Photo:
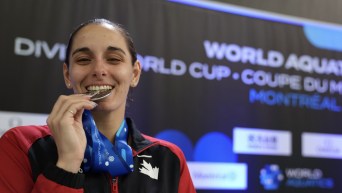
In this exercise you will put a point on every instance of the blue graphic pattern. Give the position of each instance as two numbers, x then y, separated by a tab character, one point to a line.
271	177
212	147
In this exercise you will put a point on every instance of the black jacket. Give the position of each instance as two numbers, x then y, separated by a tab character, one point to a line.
159	166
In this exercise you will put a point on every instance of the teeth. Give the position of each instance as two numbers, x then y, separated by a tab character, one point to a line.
98	88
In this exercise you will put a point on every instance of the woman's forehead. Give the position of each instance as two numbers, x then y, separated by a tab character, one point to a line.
98	30
97	34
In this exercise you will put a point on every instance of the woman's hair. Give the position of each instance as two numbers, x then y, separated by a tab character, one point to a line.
122	30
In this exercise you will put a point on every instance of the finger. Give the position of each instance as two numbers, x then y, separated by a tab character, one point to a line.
55	110
73	107
63	103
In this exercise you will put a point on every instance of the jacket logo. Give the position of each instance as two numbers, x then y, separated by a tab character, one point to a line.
149	170
147	156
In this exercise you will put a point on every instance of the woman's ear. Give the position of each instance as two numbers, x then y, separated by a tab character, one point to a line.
66	76
136	73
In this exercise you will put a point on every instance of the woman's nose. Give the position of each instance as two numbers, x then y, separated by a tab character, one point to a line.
99	69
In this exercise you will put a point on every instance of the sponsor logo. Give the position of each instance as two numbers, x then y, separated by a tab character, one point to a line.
272	178
222	176
261	141
321	145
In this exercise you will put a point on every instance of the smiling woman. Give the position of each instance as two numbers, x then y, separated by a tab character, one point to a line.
88	145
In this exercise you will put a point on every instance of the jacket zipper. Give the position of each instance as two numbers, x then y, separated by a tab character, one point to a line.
114	181
115	185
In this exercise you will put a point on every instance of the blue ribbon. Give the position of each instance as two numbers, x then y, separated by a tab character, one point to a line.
101	155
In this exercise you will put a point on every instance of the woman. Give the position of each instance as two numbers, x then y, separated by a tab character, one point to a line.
83	147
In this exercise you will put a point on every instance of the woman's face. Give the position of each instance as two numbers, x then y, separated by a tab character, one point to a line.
99	59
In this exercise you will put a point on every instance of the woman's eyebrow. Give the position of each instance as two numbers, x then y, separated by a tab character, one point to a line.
112	48
109	48
83	49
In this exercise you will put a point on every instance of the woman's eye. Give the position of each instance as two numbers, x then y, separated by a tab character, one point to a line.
113	60
83	60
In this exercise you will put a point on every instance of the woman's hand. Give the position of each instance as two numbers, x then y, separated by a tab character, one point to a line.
65	123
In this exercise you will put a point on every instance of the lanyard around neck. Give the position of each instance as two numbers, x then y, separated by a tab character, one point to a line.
101	155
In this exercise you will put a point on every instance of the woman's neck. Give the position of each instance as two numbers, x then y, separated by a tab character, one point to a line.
108	123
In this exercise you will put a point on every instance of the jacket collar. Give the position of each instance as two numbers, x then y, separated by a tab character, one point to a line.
138	141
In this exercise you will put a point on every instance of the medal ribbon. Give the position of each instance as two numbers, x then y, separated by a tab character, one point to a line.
101	155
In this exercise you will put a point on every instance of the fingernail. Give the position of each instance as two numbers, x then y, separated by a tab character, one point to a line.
94	104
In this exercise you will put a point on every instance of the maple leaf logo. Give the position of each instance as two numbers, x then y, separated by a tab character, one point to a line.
149	170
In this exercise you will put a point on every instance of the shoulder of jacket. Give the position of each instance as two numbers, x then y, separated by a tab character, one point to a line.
171	146
25	136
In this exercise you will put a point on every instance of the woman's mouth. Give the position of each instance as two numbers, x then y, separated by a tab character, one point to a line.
99	88
99	92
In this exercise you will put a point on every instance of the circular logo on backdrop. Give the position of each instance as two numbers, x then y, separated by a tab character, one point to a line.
271	177
212	147
180	139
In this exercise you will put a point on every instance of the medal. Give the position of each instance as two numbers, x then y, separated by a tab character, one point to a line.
97	95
